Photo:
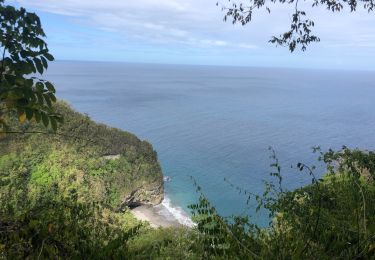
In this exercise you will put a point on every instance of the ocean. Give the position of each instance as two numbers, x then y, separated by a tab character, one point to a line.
215	124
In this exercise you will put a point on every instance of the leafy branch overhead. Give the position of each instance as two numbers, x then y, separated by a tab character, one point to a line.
24	58
300	33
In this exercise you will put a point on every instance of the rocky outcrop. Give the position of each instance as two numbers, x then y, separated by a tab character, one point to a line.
143	196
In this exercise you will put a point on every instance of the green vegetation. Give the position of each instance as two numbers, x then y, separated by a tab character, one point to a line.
60	196
333	218
24	55
77	160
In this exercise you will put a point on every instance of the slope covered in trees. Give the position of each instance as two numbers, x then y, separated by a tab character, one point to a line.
62	192
90	161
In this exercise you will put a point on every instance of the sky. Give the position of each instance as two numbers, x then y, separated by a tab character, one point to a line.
193	32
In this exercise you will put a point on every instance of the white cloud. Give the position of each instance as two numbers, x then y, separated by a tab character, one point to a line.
215	43
172	21
247	46
193	18
198	24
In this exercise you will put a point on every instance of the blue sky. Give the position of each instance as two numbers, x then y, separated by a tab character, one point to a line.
193	32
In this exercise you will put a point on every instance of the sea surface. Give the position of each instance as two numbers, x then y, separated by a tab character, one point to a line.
214	123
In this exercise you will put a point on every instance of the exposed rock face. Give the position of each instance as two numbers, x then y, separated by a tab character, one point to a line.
152	195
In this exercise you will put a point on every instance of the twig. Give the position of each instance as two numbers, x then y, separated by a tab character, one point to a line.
41	249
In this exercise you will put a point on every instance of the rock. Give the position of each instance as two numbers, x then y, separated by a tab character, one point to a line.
143	196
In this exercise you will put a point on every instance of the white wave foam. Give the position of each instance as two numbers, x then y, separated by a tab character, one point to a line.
167	179
177	212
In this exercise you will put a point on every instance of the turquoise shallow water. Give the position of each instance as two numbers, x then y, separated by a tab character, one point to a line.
218	122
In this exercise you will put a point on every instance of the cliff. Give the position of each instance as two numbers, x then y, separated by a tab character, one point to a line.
86	160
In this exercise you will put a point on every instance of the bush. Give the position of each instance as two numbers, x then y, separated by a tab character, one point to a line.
333	218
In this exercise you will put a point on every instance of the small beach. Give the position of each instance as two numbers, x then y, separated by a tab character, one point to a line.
163	215
150	214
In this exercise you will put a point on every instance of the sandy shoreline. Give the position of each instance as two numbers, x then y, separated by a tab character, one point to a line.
154	216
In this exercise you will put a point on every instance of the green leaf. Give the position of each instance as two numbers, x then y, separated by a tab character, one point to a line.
52	97
23	54
39	65
48	100
32	65
39	86
49	57
45	119
44	61
50	87
40	98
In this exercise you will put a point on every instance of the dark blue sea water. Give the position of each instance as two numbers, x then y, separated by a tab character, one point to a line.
218	122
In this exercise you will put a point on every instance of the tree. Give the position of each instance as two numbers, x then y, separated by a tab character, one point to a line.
24	58
300	32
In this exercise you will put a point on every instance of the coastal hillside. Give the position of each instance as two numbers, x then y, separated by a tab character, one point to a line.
67	194
91	161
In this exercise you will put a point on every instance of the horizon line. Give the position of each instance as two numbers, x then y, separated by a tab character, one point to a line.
216	65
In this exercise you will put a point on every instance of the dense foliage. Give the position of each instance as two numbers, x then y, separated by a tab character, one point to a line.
53	204
60	192
78	160
24	56
333	218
